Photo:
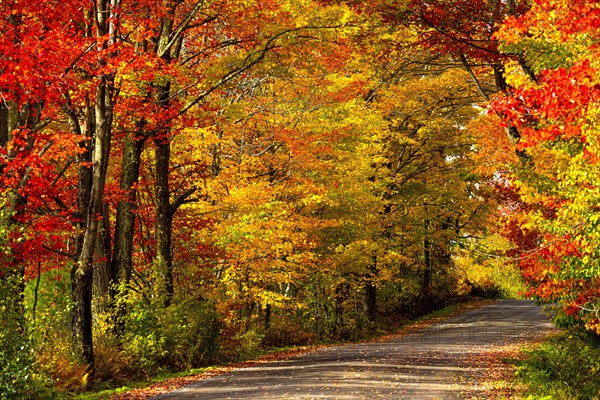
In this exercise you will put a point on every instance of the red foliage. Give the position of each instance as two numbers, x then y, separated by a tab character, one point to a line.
563	96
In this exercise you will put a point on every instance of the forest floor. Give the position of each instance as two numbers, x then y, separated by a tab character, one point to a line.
457	358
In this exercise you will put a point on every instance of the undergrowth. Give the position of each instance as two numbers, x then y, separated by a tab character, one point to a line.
565	367
257	352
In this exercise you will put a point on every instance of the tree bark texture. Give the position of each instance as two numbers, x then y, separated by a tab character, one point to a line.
122	264
82	274
164	218
125	219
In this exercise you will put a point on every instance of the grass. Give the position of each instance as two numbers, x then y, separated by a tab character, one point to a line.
566	366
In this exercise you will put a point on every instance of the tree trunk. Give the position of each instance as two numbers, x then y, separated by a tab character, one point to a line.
125	219
370	295
82	273
81	282
341	294
426	283
165	209
267	316
319	297
164	219
4	128
102	270
427	258
121	266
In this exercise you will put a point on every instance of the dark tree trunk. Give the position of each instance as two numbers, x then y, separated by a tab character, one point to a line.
125	219
164	218
121	266
102	269
164	215
426	284
428	260
370	296
371	301
4	128
82	274
82	282
267	316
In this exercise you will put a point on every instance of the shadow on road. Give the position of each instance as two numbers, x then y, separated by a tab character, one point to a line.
432	363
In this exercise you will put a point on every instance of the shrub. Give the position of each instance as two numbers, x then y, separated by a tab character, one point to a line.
181	336
236	345
283	332
191	330
114	365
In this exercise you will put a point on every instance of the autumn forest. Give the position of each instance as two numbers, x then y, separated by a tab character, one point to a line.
185	182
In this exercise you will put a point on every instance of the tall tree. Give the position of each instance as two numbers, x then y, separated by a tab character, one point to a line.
125	75
556	113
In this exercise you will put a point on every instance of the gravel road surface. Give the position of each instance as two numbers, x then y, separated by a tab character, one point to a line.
433	363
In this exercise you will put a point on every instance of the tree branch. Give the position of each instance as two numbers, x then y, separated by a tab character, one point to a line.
179	200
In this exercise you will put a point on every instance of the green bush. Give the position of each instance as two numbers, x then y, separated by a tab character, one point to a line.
191	330
181	336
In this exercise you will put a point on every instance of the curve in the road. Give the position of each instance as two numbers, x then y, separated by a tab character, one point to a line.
429	364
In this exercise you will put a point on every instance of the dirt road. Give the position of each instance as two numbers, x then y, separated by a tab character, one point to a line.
430	364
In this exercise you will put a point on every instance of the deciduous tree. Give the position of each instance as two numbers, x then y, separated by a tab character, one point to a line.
557	115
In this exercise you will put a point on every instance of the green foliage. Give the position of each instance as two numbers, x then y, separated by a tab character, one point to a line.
15	354
19	373
567	367
509	281
181	336
20	376
48	305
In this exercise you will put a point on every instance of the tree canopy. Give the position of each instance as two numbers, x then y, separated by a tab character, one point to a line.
186	181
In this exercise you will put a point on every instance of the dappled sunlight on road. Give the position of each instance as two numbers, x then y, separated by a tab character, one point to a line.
432	363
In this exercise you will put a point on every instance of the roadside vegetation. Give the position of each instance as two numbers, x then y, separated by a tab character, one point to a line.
167	381
190	341
564	367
